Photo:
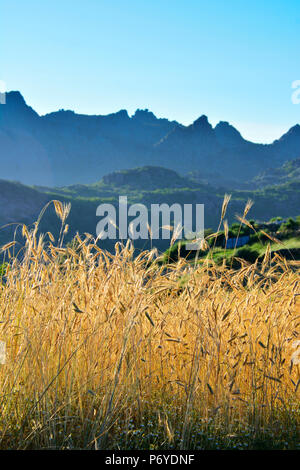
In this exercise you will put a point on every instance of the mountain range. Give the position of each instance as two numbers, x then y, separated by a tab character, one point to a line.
65	148
88	160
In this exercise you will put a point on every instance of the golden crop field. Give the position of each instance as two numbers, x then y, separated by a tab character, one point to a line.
112	351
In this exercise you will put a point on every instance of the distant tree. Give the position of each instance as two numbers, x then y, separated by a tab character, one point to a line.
289	225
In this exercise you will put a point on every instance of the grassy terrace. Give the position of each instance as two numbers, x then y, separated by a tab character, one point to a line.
289	244
286	242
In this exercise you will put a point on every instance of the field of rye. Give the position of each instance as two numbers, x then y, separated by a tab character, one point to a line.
118	352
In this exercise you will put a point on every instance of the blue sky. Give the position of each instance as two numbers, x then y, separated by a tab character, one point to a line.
232	60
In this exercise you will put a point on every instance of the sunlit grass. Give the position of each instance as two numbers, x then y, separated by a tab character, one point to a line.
113	351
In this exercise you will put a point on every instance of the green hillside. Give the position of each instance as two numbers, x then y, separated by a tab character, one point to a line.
282	238
148	185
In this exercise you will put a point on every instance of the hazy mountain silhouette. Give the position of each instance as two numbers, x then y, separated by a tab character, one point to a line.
64	148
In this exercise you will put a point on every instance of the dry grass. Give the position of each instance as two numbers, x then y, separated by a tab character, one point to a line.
112	351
